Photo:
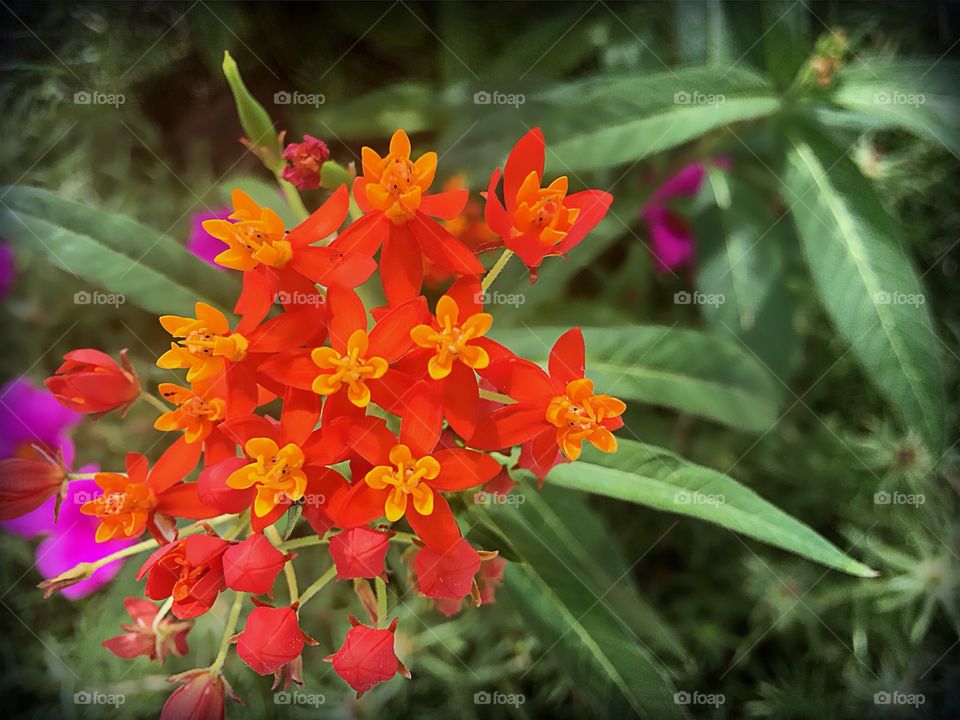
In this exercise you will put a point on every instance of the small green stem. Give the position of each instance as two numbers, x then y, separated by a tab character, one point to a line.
151	544
318	585
84	476
303	542
288	571
497	268
496	397
381	602
241	523
228	631
293	198
161	613
156	402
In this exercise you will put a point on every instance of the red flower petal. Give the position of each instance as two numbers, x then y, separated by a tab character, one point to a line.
359	552
447	574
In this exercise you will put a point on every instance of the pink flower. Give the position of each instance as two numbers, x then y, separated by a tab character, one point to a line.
671	238
201	243
304	161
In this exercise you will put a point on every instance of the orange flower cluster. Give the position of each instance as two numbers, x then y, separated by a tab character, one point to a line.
412	400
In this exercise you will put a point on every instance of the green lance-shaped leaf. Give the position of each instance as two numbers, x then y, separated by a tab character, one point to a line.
866	282
660	479
114	251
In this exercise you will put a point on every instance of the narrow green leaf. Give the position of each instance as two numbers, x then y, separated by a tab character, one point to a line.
690	371
866	282
660	479
576	626
615	121
254	119
742	250
113	251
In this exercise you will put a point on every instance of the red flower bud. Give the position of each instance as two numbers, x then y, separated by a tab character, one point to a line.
367	657
271	638
202	696
92	382
491	575
140	637
191	570
446	575
252	565
27	483
359	552
304	161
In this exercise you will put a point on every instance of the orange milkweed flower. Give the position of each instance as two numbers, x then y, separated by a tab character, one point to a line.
554	413
356	368
449	352
407	479
277	263
537	221
399	216
284	464
147	499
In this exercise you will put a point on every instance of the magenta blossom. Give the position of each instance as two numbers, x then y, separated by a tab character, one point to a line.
671	238
201	243
8	271
29	417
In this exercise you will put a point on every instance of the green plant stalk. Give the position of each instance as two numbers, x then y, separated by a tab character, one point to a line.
151	400
497	268
228	631
381	602
318	585
288	570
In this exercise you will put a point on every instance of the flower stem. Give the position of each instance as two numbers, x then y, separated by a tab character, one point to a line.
293	198
228	631
156	402
161	613
496	397
288	571
318	585
381	602
497	268
303	542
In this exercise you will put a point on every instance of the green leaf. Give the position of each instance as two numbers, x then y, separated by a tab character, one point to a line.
613	121
569	614
742	259
866	282
255	121
114	251
919	96
658	478
690	371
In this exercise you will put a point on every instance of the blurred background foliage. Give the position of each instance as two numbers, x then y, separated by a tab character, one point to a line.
792	406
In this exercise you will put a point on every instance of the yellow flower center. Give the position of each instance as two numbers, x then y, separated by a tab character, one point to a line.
452	340
540	212
261	244
203	342
578	415
406	477
276	472
351	369
395	183
123	509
